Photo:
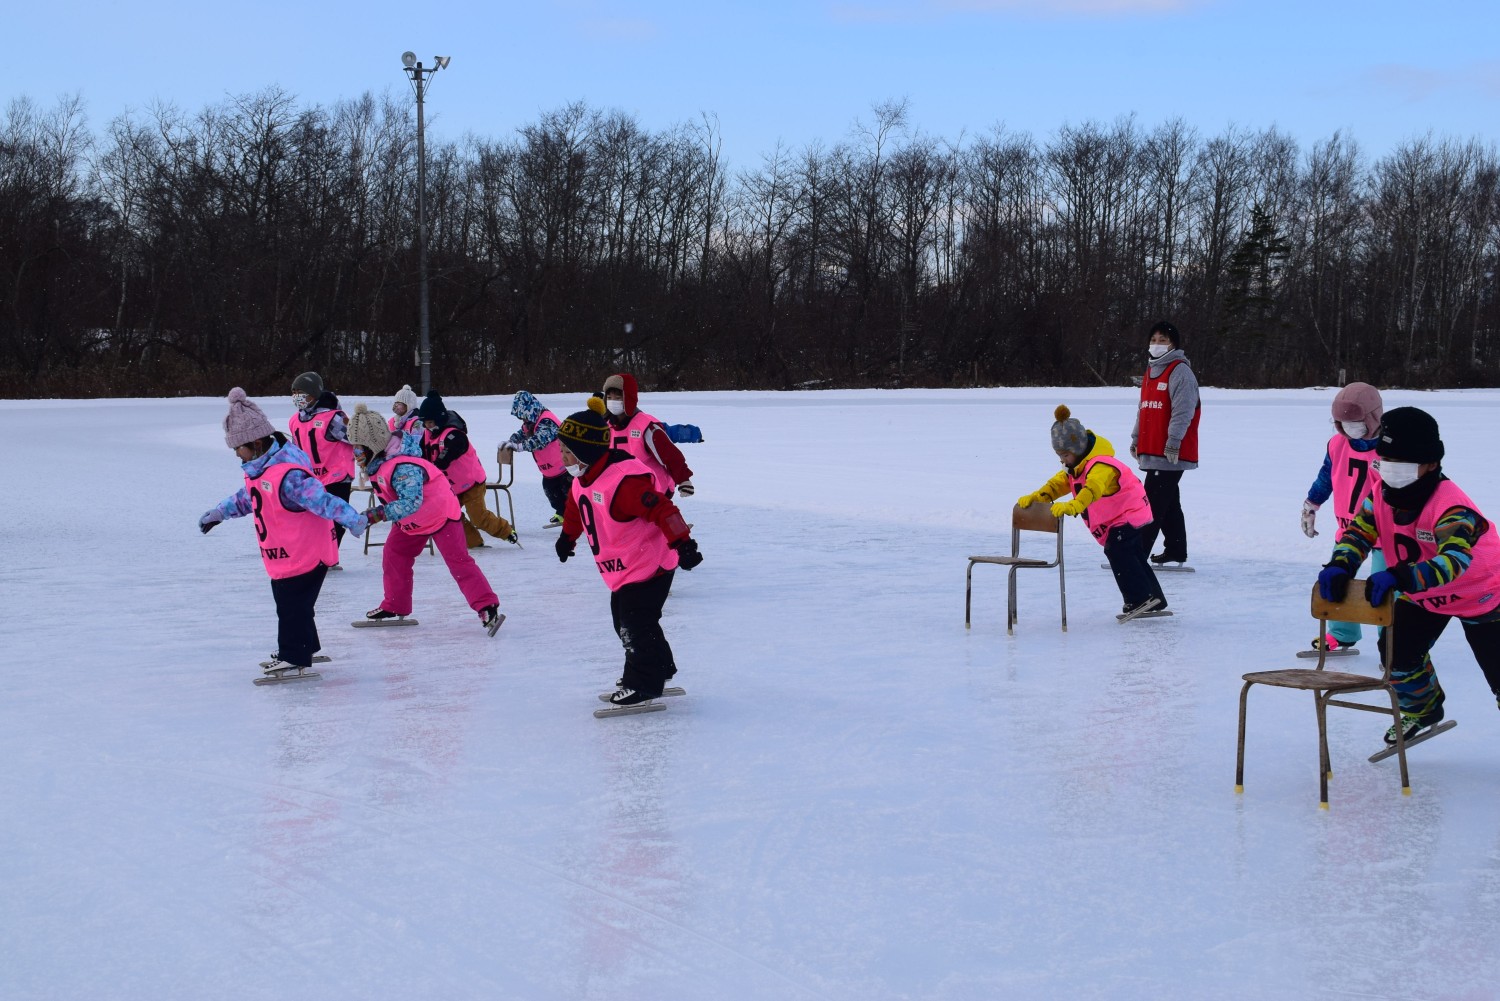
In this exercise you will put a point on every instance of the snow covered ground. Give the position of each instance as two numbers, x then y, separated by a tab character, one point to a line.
858	799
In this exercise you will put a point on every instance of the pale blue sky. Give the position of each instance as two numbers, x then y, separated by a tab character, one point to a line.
798	72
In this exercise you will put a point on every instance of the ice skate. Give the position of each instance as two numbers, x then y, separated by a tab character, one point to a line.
1173	564
318	658
1416	731
1412	725
278	671
629	702
380	617
554	522
1335	648
1150	608
490	618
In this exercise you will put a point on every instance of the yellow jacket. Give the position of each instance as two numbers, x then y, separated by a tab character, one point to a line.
1102	481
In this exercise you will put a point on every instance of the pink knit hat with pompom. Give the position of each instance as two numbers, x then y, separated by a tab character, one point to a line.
245	422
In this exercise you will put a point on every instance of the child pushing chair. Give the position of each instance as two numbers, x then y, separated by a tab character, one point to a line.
1113	504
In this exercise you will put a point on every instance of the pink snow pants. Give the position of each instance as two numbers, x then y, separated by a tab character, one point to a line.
400	553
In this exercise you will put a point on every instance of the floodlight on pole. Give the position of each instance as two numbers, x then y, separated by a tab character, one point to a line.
420	80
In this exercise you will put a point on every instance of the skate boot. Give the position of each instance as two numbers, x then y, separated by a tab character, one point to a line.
1412	725
276	665
629	697
490	618
1331	643
555	521
379	614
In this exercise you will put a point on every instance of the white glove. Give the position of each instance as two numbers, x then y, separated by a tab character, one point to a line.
1309	515
1133	453
508	444
1172	452
685	488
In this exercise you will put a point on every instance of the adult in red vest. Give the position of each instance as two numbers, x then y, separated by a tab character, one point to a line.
1165	440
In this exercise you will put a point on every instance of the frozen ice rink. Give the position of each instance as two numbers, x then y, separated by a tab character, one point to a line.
857	799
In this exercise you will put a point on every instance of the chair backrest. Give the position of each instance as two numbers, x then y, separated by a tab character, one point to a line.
1356	608
1036	518
504	456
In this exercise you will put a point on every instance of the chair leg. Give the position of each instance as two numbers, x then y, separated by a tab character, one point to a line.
1400	743
968	592
1010	603
1062	594
1323	763
1239	761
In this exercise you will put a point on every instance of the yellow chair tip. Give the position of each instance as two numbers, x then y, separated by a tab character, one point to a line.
1323	805
1239	788
1406	790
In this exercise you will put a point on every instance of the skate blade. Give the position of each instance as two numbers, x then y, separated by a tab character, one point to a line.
636	710
1340	652
666	693
549	525
318	658
1427	734
382	623
499	621
285	677
1148	610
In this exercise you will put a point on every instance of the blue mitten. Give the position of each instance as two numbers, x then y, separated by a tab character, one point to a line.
1333	583
1379	585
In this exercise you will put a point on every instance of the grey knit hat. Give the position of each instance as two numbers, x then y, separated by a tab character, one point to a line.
368	429
245	422
310	383
1069	434
409	397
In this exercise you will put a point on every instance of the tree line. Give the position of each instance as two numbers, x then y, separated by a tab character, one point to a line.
184	253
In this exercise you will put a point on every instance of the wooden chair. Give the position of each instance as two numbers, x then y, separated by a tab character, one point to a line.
1325	685
505	478
1036	518
370	503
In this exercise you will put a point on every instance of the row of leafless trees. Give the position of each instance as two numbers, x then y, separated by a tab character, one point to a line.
182	253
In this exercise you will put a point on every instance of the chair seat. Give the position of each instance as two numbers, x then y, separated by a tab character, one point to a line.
1009	561
1314	680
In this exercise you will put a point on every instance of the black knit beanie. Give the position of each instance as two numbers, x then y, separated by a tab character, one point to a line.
1408	434
587	435
1163	327
432	408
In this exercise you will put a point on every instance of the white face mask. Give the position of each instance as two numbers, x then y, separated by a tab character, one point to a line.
1356	430
1157	350
1398	474
301	400
576	471
616	407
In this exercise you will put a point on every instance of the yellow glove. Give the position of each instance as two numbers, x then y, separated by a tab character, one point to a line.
1061	508
1026	500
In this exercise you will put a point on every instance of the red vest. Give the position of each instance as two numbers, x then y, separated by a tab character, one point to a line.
291	542
1156	415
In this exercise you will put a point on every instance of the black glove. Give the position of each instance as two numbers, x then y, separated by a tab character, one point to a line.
687	553
208	521
565	547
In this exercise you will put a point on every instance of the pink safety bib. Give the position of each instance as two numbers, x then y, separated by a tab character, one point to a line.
624	551
464	471
332	461
548	457
1471	593
1127	505
632	438
291	542
439	505
1355	476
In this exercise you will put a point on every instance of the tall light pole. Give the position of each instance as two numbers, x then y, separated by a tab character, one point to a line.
421	78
